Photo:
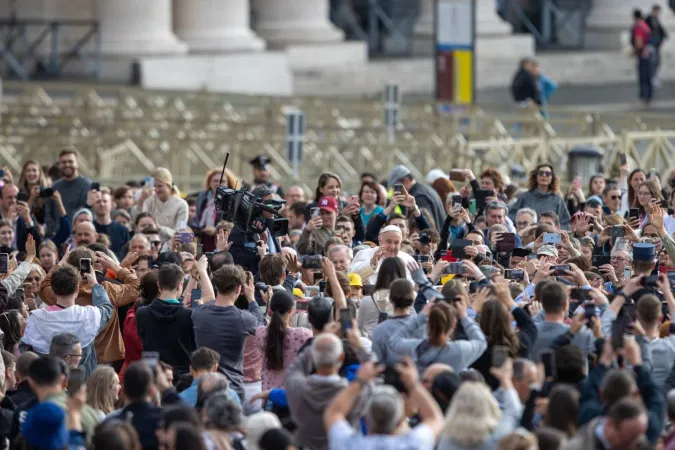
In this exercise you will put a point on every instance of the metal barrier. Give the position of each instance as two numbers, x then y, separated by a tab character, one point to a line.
126	136
552	23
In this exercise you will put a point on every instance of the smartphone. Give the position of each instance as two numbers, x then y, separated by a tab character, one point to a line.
200	249
618	330
195	296
85	266
368	289
507	243
472	207
580	294
616	231
355	199
315	212
46	192
634	213
548	359
150	358
499	355
393	379
482	195
456	201
589	310
514	274
322	286
422	258
623	159
522	252
650	280
454	268
458	246
185	237
628	275
600	260
456	175
398	188
2	173
552	238
4	262
312	262
561	270
22	197
345	320
76	380
95	187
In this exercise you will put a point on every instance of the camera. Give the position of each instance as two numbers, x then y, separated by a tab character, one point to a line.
246	210
425	239
312	262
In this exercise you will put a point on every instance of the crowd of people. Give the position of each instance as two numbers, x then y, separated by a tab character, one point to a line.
451	312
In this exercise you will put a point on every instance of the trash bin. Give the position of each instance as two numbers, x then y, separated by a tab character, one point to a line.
584	162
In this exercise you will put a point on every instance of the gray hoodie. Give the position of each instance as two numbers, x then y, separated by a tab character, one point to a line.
308	397
458	354
542	202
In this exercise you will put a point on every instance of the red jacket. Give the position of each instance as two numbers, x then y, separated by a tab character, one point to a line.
132	343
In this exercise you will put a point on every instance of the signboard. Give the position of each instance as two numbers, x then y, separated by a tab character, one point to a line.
455	51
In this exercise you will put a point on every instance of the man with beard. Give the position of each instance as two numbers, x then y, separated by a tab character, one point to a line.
262	175
84	234
72	187
367	262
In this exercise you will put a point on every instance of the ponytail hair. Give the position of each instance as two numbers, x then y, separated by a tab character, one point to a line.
280	303
441	320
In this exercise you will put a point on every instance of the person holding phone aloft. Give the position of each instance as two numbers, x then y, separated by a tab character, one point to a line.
543	195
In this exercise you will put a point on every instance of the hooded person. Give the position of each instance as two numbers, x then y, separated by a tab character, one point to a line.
85	322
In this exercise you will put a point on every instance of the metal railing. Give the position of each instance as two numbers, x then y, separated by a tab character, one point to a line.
126	135
24	41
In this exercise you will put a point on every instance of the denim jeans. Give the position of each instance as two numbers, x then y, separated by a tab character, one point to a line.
644	66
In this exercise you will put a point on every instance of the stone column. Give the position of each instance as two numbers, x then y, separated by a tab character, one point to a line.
288	22
137	28
215	26
609	23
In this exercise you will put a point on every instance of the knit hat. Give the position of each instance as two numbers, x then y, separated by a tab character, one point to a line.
84	211
163	176
45	427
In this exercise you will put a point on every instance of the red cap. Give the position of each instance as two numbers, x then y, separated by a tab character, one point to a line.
328	203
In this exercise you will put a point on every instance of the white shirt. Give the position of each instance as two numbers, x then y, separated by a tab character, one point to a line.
361	265
342	436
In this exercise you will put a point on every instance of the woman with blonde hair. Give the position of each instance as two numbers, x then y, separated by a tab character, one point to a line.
31	181
474	420
103	388
48	255
543	195
205	220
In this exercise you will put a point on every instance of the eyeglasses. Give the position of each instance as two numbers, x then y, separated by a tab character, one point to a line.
618	259
523	224
544	173
74	356
615	197
156	243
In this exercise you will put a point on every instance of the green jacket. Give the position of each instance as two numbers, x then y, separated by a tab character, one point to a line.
88	415
313	242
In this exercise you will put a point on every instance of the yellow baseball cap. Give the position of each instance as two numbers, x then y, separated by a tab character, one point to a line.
447	278
355	280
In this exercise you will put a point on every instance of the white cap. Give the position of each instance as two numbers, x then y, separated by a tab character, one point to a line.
393	228
435	174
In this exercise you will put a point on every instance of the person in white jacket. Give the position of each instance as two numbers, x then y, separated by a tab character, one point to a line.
65	316
367	262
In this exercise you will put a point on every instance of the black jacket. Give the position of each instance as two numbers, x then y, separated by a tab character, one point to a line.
144	417
524	87
167	329
6	419
21	395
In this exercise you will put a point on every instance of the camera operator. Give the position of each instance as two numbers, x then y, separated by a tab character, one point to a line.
249	248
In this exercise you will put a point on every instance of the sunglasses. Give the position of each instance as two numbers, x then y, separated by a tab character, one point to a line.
615	197
156	243
544	173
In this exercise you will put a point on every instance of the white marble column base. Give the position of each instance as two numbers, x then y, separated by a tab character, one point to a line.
223	41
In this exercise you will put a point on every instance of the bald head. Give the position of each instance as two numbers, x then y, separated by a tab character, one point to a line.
84	234
213	381
432	371
327	351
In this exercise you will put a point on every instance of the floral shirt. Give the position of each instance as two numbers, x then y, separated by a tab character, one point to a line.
295	338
